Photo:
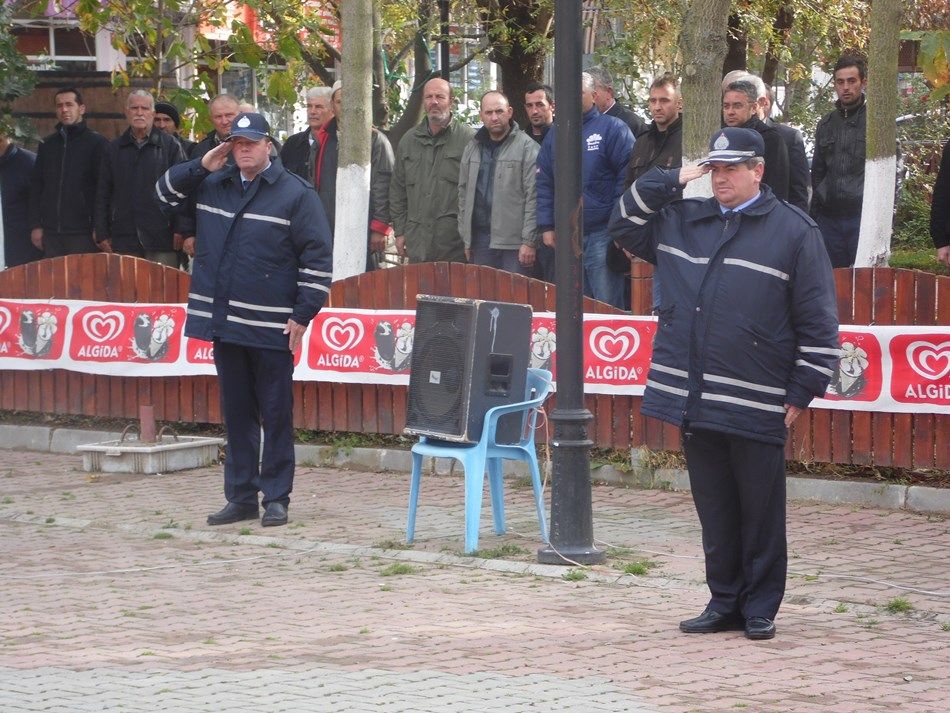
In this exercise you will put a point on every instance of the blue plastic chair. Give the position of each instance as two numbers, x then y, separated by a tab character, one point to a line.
475	458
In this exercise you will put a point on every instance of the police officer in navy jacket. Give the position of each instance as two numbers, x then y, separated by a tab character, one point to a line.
747	337
262	271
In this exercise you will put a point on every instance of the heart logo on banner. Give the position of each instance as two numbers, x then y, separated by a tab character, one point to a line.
931	361
103	326
342	334
614	344
5	319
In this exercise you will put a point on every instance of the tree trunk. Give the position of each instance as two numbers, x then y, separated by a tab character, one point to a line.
380	93
782	27
703	46
412	114
514	28
352	181
880	168
737	46
517	72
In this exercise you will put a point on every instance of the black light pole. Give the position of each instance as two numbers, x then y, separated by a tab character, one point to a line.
444	45
572	526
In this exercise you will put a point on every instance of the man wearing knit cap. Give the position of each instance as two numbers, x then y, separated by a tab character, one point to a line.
168	119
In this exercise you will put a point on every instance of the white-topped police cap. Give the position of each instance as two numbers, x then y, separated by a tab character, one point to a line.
249	126
732	145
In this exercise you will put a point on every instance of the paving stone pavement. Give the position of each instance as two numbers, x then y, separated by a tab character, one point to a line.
115	595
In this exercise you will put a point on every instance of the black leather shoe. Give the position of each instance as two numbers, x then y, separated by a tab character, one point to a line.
274	514
758	627
233	512
710	622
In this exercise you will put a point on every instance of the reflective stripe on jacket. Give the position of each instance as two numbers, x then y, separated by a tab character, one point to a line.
262	256
748	318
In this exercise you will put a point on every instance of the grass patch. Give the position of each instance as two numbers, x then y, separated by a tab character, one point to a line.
841	608
7	500
396	569
337	567
898	605
574	575
50	520
640	568
244	531
506	550
393	545
162	536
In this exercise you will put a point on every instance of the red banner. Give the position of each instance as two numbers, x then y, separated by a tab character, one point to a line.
898	369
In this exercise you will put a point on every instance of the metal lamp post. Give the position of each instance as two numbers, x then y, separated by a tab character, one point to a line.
572	528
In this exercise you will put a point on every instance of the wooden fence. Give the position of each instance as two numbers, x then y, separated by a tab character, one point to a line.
865	296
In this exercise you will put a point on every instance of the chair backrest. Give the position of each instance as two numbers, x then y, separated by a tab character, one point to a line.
537	389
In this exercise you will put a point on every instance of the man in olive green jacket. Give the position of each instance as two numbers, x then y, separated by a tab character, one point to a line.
423	194
497	197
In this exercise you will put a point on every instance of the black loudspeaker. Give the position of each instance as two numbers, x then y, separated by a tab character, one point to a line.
467	356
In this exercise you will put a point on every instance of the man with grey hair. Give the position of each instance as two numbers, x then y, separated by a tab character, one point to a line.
222	109
128	217
606	101
799	176
300	150
740	109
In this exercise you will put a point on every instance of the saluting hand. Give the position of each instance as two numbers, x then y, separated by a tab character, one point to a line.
217	158
691	173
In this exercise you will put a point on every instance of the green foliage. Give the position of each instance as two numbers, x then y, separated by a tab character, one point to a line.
574	575
16	78
934	58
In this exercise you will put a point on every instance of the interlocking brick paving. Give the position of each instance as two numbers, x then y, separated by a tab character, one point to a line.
100	614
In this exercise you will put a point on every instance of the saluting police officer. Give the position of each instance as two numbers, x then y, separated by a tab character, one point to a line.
747	337
262	272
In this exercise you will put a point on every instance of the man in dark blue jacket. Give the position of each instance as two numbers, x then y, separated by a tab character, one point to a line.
16	164
606	147
747	337
262	272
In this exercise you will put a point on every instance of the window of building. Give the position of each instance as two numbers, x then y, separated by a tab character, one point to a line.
55	44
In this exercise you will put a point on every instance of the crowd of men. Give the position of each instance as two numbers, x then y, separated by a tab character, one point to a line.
449	192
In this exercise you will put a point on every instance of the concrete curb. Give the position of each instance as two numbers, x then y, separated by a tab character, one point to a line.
886	496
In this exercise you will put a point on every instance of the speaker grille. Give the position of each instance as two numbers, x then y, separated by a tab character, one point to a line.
437	399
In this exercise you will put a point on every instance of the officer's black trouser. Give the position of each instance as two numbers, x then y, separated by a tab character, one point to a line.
256	388
738	486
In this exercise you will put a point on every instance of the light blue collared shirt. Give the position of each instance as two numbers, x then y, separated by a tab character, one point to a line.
739	208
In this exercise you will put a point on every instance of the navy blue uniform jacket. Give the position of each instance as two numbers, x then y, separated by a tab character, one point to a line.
261	257
748	321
